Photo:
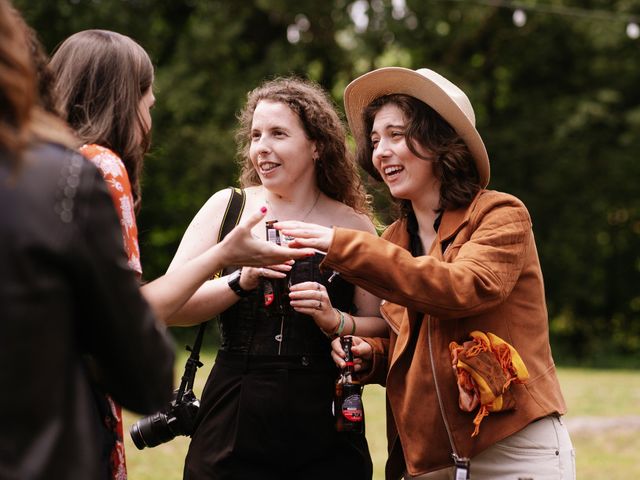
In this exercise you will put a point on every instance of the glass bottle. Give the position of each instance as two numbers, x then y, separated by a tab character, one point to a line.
348	408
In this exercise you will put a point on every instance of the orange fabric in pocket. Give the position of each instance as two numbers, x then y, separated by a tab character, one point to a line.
485	367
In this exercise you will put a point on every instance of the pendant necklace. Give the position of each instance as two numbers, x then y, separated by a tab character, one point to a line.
315	202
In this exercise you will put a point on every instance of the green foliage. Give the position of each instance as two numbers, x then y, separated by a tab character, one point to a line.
556	102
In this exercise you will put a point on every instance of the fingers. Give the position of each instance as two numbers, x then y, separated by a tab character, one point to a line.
306	234
269	253
283	254
253	219
337	353
361	349
308	296
274	271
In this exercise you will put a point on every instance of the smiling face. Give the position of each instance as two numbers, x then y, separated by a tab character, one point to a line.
407	175
280	151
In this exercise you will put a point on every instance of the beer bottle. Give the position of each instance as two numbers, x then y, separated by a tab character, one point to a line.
275	290
348	408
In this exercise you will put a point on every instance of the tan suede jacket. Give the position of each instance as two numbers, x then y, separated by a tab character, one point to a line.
482	273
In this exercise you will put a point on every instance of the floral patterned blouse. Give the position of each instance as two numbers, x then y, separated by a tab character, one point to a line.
115	174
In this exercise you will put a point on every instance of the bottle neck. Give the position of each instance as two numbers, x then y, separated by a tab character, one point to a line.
347	371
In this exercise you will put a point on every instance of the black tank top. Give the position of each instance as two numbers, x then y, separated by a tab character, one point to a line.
249	327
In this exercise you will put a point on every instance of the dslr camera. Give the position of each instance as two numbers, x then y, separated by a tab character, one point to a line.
178	418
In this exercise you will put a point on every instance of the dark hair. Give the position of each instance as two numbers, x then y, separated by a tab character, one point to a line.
336	172
101	76
453	163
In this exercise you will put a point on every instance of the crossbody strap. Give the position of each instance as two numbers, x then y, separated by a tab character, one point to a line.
231	217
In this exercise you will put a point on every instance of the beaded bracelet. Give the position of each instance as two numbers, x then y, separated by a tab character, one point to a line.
338	331
353	321
339	326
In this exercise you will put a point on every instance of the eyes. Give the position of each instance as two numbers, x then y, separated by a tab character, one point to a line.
276	133
394	136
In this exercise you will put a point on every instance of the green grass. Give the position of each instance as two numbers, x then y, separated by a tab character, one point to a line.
604	453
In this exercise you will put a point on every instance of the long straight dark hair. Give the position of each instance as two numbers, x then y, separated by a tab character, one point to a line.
100	78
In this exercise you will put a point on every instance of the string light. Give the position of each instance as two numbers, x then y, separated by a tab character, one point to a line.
520	16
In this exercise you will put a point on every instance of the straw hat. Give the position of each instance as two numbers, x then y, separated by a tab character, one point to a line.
428	86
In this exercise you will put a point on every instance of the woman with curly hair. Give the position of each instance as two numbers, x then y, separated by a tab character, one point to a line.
266	408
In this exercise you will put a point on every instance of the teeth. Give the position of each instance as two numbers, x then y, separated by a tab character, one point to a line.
268	166
392	170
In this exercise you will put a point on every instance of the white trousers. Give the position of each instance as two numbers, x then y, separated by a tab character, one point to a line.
540	451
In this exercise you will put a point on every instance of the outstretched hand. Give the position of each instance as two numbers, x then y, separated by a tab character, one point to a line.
241	247
307	234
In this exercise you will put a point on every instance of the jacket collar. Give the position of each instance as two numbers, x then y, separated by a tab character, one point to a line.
450	224
454	220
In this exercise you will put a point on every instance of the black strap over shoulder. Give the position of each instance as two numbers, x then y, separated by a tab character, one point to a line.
230	219
232	215
233	212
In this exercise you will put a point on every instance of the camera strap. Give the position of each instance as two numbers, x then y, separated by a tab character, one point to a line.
232	215
230	219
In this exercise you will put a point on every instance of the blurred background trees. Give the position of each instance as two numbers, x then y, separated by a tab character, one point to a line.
554	84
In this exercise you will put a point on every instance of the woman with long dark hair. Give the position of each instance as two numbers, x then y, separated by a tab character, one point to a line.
104	87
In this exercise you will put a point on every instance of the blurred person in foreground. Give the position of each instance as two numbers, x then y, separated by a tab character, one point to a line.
471	383
65	290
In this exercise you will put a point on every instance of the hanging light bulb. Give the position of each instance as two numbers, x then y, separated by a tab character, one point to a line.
519	17
633	30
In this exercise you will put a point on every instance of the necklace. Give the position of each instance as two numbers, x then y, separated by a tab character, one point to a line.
315	202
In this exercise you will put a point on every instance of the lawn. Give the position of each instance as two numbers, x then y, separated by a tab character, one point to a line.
604	418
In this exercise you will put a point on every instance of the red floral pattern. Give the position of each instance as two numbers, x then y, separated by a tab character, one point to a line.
115	174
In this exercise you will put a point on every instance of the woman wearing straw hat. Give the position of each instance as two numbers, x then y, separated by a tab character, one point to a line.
471	383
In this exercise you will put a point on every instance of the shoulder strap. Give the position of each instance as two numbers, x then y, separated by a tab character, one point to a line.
231	216
233	212
230	219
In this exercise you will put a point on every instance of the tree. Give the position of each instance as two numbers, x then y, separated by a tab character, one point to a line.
556	103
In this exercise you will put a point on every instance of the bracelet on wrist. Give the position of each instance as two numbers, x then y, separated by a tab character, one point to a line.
353	324
340	329
331	334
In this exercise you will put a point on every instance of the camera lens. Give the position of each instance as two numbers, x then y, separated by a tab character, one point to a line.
151	431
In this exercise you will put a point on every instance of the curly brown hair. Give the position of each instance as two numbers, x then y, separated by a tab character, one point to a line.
336	171
100	78
453	163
